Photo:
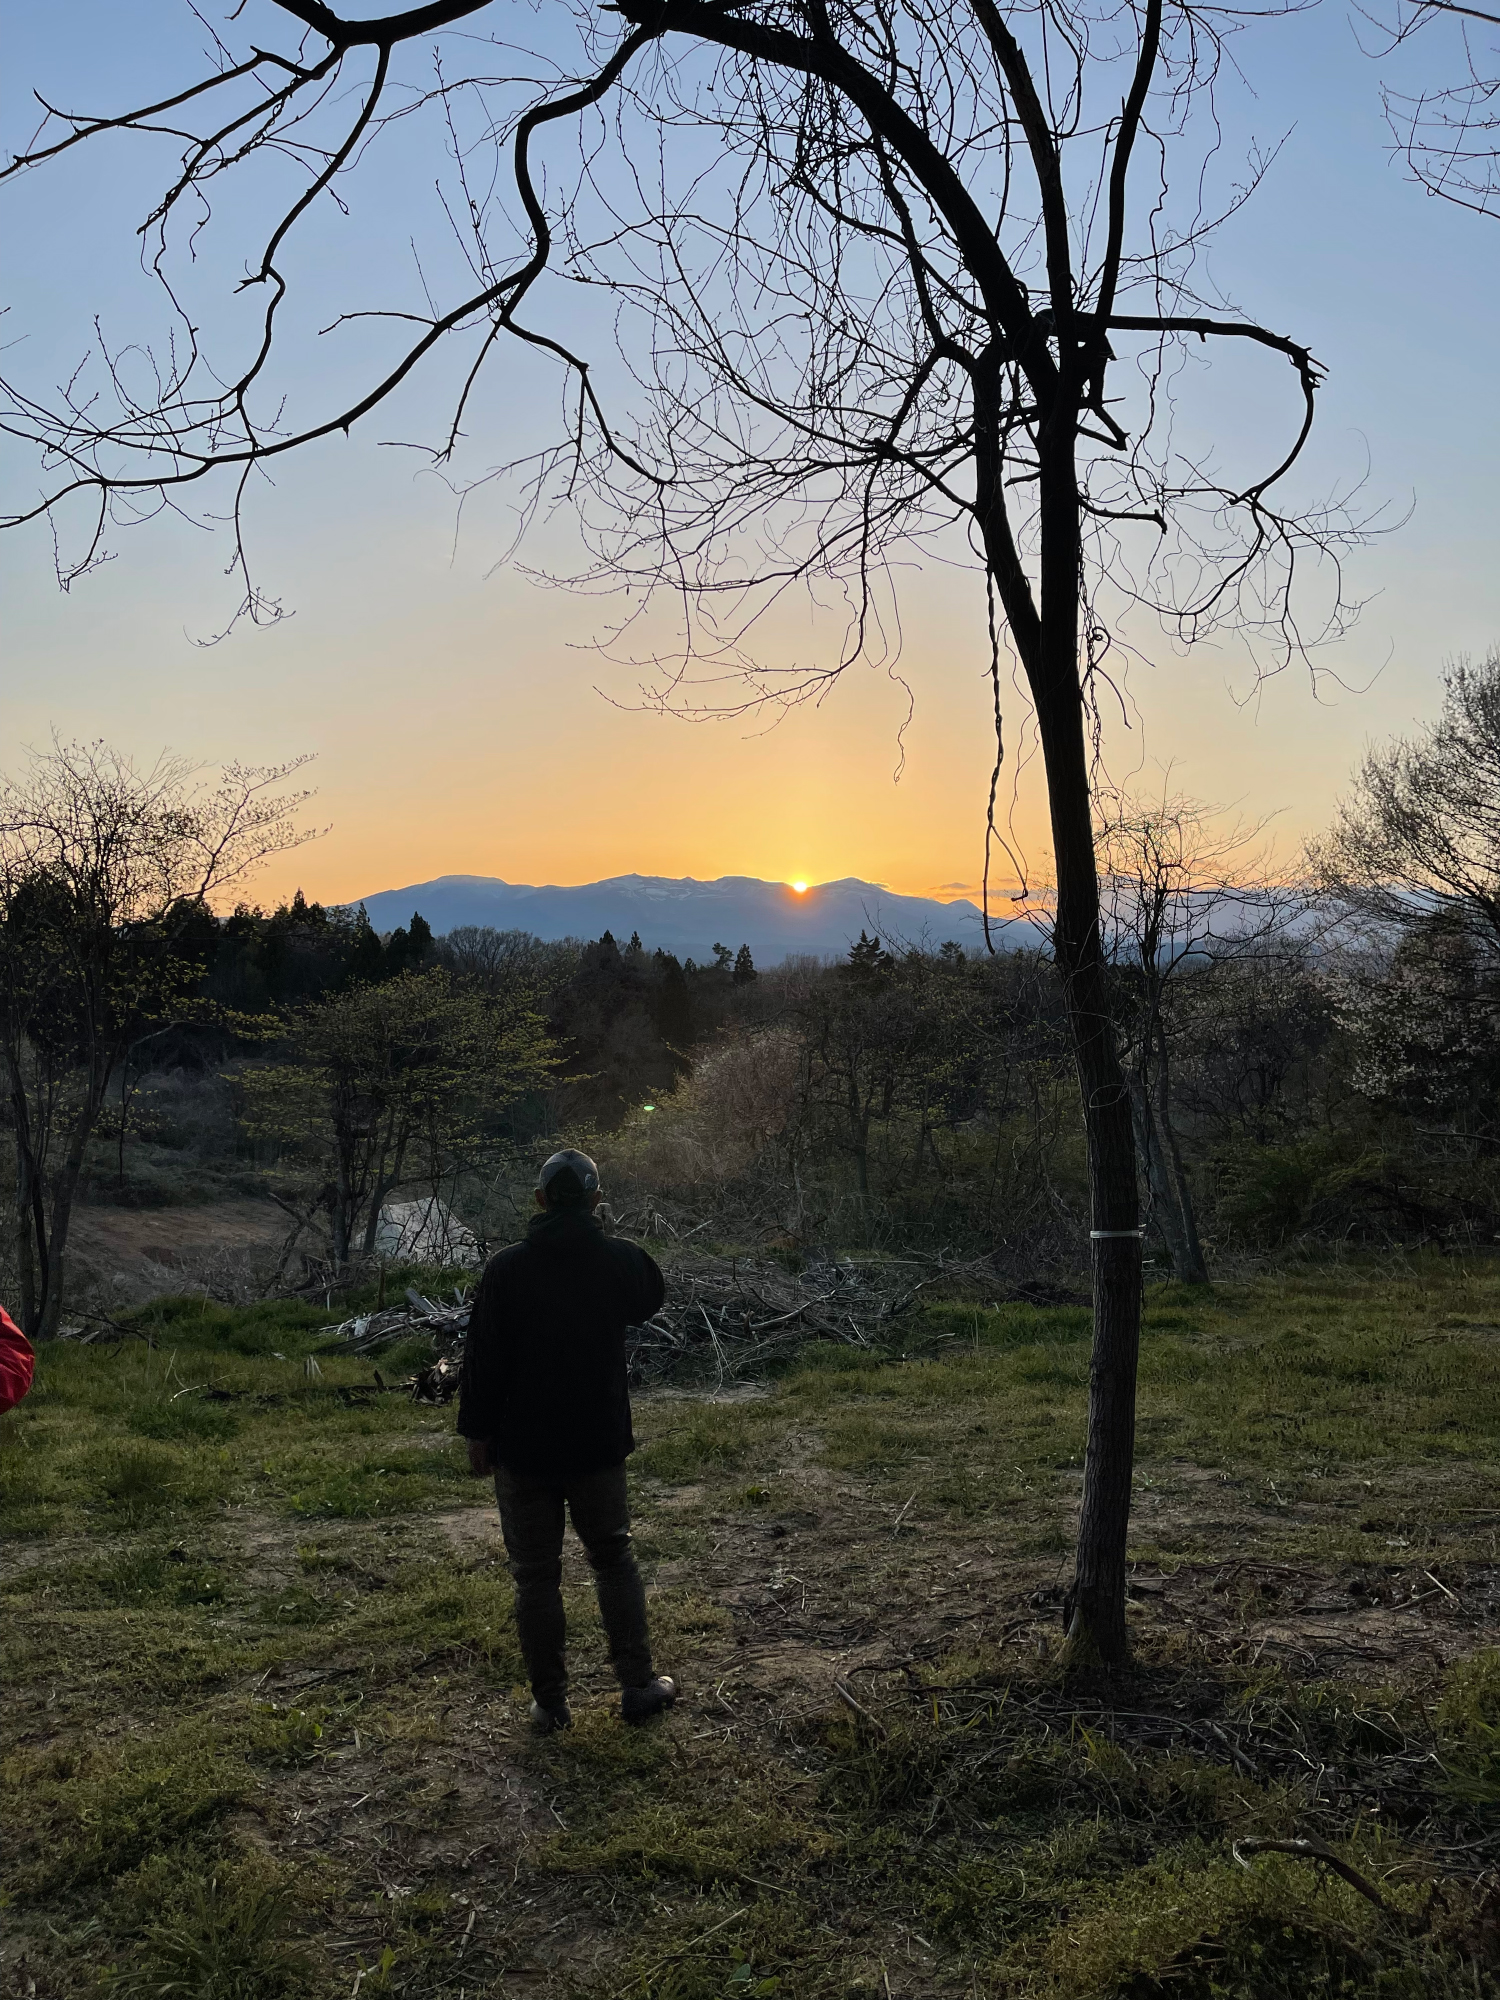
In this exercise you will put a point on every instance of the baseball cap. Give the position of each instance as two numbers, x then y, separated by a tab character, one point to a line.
568	1177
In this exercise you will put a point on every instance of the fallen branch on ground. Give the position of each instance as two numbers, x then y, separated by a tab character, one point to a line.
1314	1850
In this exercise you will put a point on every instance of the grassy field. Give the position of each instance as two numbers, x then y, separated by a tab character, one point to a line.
266	1737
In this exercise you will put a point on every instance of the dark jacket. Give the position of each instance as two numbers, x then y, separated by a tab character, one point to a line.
544	1361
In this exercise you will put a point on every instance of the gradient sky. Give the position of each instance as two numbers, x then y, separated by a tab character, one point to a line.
451	704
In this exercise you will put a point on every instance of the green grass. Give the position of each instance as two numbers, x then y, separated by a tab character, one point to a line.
267	1735
225	1938
1320	1378
220	1410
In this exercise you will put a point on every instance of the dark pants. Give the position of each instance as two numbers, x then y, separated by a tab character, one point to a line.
531	1519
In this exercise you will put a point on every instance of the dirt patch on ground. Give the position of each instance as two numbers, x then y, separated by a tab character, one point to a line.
1361	1621
167	1235
134	1254
471	1530
832	1579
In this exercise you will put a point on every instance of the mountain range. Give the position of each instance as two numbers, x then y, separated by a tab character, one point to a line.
689	917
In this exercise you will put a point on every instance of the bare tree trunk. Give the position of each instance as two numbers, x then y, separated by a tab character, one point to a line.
1166	1192
1188	1263
345	1192
125	1095
1049	648
1096	1620
65	1188
57	1248
42	1225
31	1245
29	1215
340	1216
859	1137
372	1221
387	1171
386	1185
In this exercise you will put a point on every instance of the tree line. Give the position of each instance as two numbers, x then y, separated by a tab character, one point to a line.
1310	1058
359	1064
1303	1060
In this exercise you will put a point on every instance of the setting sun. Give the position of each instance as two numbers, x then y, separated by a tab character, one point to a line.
800	887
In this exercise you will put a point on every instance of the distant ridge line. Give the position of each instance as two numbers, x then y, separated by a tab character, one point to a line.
686	916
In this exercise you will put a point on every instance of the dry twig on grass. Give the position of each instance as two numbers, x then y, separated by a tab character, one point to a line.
367	1333
1314	1850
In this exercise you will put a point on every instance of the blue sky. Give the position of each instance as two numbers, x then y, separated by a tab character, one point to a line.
452	703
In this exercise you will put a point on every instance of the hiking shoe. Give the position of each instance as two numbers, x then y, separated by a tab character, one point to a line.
545	1720
640	1704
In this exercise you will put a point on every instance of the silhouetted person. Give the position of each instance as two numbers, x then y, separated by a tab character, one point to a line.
545	1406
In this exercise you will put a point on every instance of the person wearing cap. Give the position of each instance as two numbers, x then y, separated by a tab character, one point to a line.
545	1406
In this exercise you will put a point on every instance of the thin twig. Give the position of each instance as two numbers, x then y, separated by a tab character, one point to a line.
1314	1850
859	1709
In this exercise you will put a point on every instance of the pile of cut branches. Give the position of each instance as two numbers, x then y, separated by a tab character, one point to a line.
732	1316
727	1318
368	1333
735	1316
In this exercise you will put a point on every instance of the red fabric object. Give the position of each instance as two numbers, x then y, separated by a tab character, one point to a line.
17	1363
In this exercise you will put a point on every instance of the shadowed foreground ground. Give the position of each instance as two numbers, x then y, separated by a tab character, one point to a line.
267	1738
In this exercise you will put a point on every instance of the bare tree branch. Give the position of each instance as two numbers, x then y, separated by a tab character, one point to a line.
866	260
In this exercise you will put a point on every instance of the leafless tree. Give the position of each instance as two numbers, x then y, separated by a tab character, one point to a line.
1448	134
1185	890
104	869
889	277
509	962
1419	833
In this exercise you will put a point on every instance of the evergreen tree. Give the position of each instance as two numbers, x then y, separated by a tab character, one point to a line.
299	914
674	1011
868	959
299	953
744	967
408	948
366	961
723	958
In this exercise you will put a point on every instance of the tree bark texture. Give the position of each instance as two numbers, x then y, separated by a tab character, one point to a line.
1049	647
28	1214
1096	1626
